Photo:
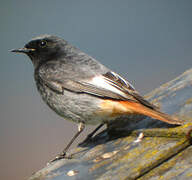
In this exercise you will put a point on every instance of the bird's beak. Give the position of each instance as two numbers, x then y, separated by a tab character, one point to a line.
22	50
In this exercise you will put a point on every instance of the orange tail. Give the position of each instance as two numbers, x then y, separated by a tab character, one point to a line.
141	109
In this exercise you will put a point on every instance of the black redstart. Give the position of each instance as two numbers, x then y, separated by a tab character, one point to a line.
82	90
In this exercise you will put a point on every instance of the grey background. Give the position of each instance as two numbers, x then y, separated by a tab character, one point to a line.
148	42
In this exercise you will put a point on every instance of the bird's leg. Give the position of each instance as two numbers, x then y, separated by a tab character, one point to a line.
89	136
94	131
81	127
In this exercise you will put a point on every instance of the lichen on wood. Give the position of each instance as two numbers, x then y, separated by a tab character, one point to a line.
162	152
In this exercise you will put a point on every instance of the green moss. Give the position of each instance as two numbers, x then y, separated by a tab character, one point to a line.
178	165
189	174
142	160
189	101
177	132
101	164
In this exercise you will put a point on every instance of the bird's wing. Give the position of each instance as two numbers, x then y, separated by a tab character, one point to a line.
116	84
107	85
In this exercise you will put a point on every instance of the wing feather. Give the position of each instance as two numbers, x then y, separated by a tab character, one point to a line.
108	85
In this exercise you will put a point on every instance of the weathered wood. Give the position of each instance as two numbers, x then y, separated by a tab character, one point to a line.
163	153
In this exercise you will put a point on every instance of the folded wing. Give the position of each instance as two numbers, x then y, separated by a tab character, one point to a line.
107	85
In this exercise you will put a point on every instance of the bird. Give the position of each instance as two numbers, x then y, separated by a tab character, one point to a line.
81	89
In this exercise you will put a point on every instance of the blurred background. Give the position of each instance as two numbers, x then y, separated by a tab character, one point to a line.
147	42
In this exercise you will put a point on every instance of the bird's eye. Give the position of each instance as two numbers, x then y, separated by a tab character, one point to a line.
43	44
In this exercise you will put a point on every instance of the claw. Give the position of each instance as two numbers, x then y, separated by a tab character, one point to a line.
60	156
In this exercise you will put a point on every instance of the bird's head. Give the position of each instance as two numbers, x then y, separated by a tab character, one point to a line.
44	48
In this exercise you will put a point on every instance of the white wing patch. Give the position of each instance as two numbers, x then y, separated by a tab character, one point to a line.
122	79
99	81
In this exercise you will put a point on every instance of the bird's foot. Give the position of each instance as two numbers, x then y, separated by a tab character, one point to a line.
60	156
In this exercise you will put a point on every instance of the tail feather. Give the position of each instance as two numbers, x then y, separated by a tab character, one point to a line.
141	109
